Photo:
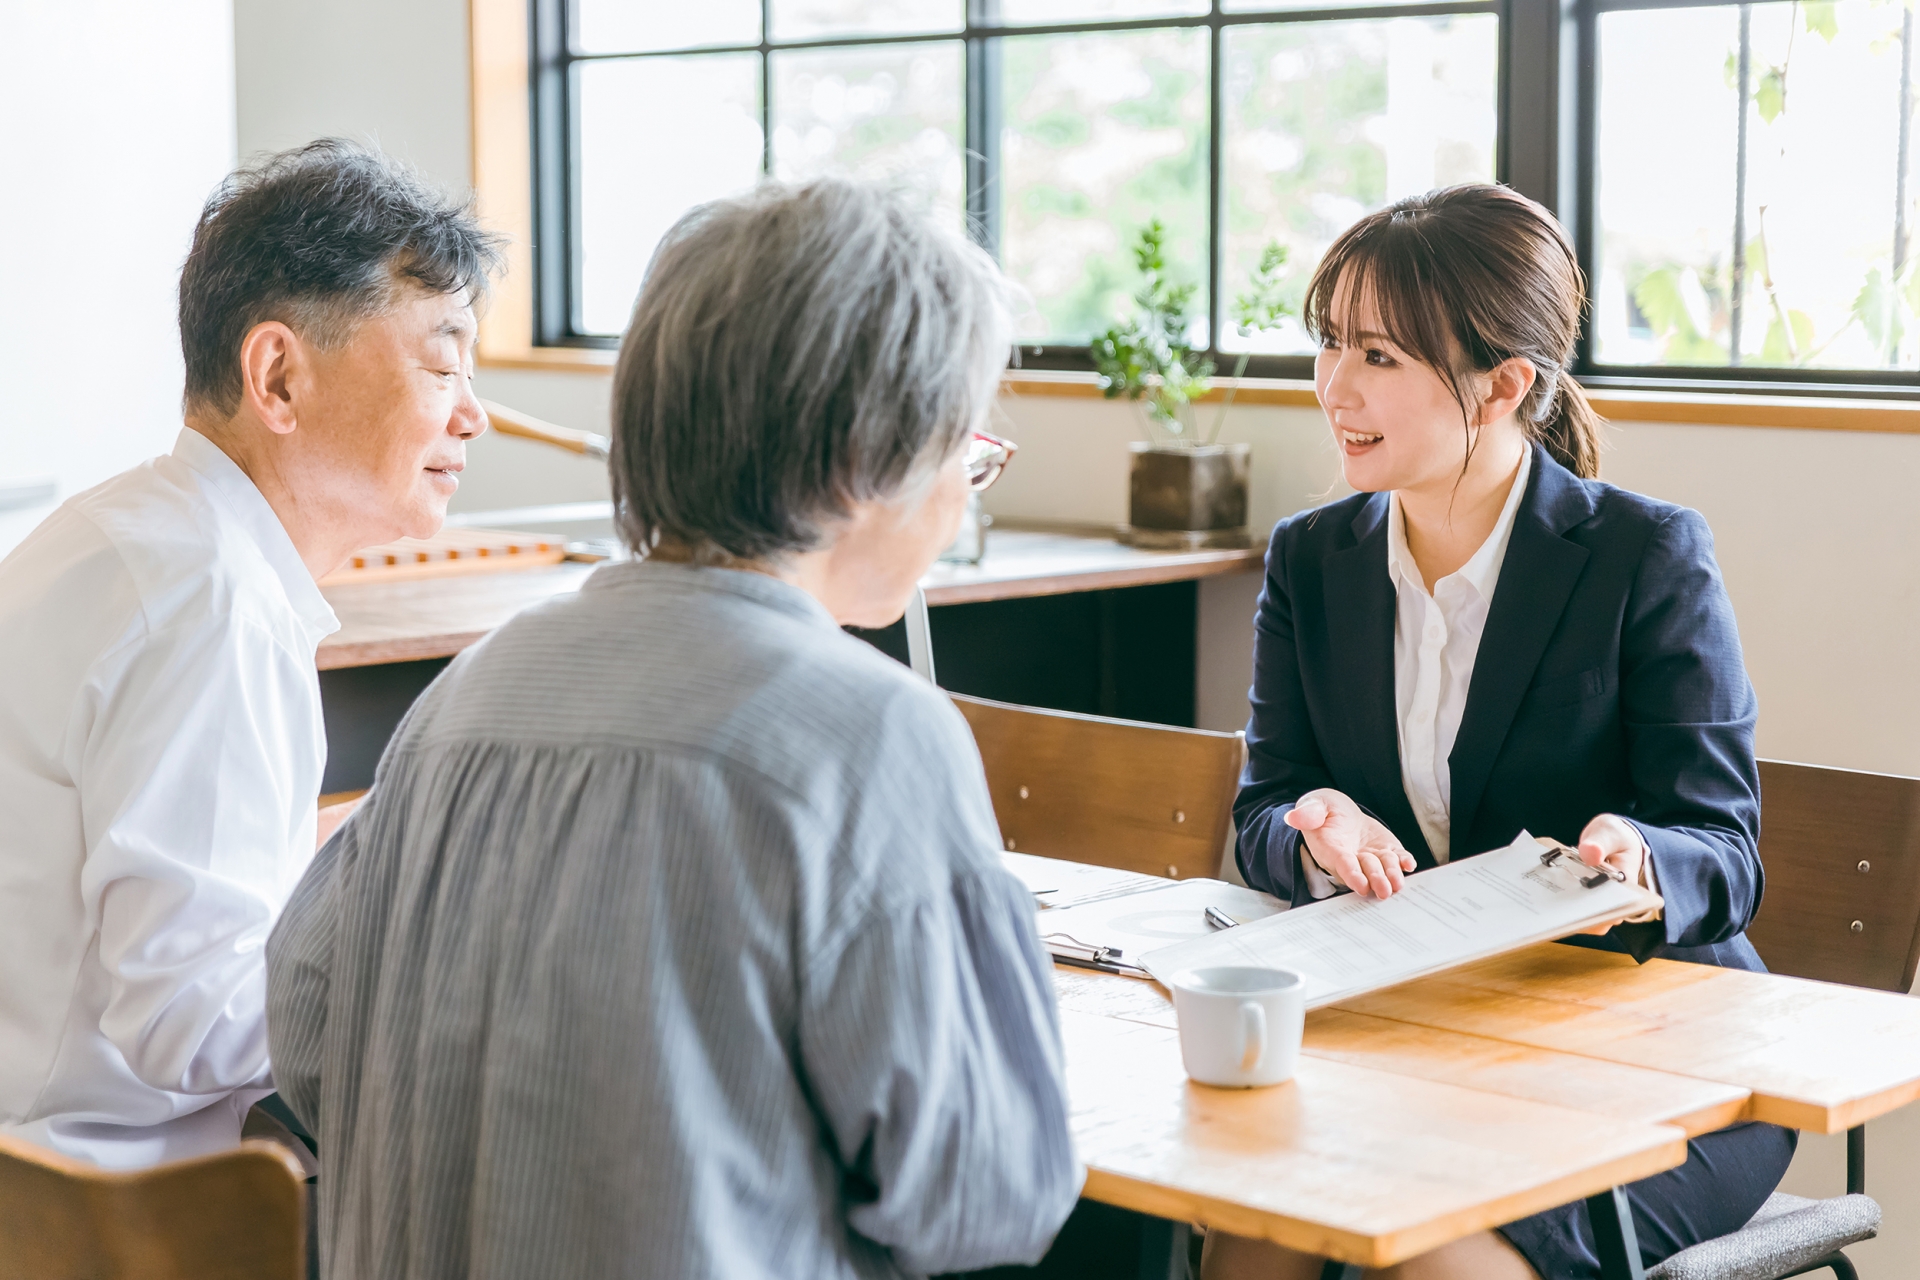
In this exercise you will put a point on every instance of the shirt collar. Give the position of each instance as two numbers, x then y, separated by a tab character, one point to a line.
761	587
1482	570
249	508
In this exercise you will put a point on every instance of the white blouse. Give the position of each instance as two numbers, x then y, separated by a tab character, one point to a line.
160	752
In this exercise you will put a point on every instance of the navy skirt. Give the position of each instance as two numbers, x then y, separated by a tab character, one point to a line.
1727	1177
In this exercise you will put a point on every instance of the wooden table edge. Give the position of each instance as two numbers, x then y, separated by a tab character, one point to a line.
1835	1117
1174	568
1344	1245
374	653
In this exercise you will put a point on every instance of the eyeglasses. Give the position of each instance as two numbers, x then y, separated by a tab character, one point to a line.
987	457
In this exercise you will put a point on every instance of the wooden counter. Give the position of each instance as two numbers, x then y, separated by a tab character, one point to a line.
437	618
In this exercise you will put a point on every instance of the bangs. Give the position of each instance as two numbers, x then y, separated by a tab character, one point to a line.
1385	265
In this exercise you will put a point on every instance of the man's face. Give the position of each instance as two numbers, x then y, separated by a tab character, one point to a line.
388	418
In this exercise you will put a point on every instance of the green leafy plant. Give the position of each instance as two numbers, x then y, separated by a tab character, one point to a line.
1262	307
1147	357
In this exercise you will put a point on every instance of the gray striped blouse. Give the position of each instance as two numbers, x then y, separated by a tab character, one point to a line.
673	942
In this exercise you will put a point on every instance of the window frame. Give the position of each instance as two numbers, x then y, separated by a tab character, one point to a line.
1545	147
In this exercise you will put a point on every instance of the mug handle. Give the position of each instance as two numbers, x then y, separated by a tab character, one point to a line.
1253	1035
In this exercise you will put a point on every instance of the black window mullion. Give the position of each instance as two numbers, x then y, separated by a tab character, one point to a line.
766	87
981	145
1216	161
555	136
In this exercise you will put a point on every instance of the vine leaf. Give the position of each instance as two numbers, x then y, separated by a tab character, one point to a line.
1821	19
1659	299
1776	349
1874	308
1770	95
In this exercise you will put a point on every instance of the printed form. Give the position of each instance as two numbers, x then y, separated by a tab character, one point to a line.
1444	917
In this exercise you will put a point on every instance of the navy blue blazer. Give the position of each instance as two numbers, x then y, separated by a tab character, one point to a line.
1609	680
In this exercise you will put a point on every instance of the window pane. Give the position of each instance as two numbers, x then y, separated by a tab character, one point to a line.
1812	210
637	26
1327	121
637	177
891	113
1035	12
1101	133
814	19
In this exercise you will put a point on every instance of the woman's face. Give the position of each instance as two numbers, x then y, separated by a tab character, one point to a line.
1394	421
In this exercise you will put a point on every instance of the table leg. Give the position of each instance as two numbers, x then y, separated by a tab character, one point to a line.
1613	1235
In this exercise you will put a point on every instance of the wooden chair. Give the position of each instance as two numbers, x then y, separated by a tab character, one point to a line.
239	1215
1842	856
1839	907
1115	793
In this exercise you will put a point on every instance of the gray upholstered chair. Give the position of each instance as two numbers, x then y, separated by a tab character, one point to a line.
1839	908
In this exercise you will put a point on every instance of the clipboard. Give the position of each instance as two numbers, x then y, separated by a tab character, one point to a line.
1470	909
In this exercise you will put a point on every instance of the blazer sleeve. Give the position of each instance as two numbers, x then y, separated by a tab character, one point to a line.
1283	755
1688	711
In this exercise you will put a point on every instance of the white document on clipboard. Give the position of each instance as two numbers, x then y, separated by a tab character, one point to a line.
1531	891
1122	927
1055	883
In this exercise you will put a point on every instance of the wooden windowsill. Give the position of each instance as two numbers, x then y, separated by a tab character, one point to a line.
1806	413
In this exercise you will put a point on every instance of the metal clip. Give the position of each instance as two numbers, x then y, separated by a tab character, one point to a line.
1590	877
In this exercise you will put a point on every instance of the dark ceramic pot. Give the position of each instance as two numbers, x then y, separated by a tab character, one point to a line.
1189	496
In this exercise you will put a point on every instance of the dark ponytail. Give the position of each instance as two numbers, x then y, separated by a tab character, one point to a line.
1463	279
1572	431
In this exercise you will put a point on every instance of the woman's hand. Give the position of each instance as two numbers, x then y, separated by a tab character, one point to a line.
1613	842
1356	850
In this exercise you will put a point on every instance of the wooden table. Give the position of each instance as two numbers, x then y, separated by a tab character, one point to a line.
437	618
1456	1103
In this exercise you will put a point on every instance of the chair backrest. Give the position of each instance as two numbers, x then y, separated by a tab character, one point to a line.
1116	793
1842	857
234	1216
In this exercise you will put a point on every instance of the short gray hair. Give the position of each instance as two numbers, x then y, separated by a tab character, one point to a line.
794	351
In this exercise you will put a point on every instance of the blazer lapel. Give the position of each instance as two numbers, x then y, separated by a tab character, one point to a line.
1360	605
1536	581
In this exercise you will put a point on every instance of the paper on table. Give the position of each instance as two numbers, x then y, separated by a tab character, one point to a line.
1451	915
1058	883
1139	922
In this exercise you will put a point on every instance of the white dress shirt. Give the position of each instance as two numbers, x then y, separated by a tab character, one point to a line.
1436	637
161	748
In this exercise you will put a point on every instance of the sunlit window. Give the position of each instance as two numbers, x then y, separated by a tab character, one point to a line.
1738	179
1054	130
1755	193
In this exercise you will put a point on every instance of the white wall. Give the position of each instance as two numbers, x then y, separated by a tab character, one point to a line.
1816	531
119	122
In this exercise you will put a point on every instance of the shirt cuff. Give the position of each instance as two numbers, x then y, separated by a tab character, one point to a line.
1649	880
1319	883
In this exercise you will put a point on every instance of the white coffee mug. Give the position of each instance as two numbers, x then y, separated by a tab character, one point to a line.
1239	1027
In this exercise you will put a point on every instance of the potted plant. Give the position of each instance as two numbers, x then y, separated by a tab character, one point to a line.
1185	492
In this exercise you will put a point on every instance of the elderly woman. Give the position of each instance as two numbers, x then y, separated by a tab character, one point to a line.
673	940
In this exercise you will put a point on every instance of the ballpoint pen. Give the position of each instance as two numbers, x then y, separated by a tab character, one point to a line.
1220	919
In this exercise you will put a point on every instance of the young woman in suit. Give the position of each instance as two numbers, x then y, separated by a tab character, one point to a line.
1486	638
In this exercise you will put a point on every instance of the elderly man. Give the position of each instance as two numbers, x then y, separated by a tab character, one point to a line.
160	733
674	939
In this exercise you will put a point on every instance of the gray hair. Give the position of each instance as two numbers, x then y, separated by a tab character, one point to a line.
795	351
